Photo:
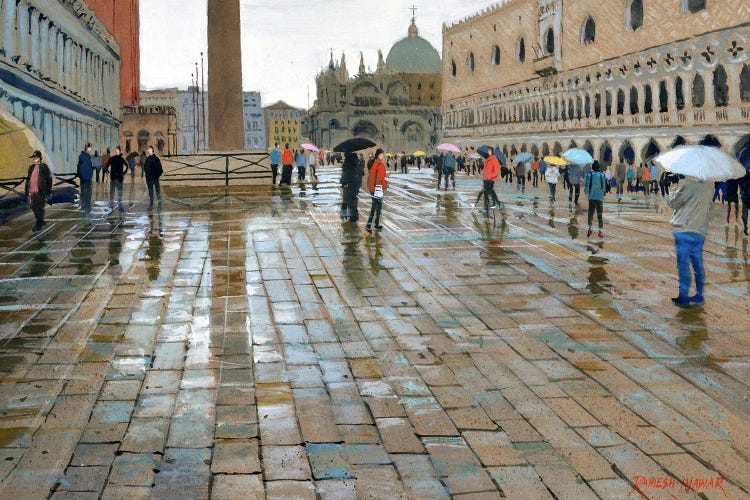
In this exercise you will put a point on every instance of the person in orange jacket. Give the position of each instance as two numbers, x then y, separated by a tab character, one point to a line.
287	162
489	175
376	179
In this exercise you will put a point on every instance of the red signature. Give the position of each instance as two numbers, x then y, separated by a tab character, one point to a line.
641	483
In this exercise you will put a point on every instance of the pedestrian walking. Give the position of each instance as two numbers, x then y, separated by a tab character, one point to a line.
312	160
105	164
733	186
299	159
439	170
691	203
535	172
654	175
131	168
351	180
630	175
521	177
118	167
449	170
377	184
620	176
489	178
153	170
96	162
85	173
404	168
552	176
287	165
38	188
574	183
595	187
275	158
744	185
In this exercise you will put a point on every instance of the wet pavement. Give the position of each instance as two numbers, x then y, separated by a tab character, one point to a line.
247	344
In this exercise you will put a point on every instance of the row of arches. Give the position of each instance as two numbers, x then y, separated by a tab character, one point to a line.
659	96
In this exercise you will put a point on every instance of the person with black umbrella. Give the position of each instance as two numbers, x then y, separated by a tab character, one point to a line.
351	180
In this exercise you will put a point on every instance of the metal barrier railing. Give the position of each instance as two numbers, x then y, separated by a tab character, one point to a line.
216	167
13	186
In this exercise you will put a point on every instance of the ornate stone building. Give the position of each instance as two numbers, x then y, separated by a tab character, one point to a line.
397	106
149	125
184	105
624	79
59	79
255	124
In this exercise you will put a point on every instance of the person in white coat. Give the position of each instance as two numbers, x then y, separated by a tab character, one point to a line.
552	175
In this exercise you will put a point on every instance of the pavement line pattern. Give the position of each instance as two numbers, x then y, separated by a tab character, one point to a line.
247	344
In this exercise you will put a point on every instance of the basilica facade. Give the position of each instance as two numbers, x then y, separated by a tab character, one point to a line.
397	106
624	79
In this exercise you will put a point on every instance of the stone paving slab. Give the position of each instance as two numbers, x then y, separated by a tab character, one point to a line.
250	345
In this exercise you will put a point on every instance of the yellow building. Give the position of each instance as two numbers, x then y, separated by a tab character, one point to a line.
283	124
622	78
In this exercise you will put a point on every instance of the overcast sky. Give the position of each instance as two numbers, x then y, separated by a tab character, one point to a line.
286	42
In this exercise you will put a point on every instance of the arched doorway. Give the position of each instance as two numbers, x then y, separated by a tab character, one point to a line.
587	146
627	153
605	154
545	149
557	149
650	150
710	140
678	141
535	151
17	142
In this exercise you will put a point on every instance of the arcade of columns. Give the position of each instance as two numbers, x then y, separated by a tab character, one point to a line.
64	67
690	89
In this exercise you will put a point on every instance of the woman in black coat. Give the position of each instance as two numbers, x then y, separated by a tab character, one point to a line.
351	180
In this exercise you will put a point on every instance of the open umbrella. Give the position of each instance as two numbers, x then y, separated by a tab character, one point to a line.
705	163
501	157
474	156
419	153
578	156
354	144
449	147
310	147
522	158
555	160
484	151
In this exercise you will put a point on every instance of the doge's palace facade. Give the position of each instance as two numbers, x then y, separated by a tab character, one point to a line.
624	79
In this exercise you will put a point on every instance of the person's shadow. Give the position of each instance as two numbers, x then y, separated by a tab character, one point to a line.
693	322
352	262
155	248
374	245
573	226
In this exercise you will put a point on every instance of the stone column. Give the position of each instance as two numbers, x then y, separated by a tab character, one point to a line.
733	82
225	123
34	58
10	18
23	32
60	57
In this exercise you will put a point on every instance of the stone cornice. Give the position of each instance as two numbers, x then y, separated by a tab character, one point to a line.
81	10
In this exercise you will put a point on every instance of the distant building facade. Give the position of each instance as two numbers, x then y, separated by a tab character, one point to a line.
59	80
397	106
143	126
624	79
283	123
255	123
186	104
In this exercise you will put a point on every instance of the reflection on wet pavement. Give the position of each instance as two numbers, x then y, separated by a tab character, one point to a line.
244	342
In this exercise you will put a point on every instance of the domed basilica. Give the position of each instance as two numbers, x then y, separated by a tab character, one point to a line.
397	106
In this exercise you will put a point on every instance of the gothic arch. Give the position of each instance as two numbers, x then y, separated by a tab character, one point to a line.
588	31
587	146
557	149
745	83
620	101
545	150
710	140
721	89
699	91
535	151
634	15
365	88
627	153
663	97
365	128
677	141
605	154
650	150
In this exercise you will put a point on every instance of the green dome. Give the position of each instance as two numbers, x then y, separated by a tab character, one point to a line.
413	55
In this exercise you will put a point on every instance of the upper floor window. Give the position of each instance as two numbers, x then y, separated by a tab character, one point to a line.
471	61
693	6
635	15
496	55
453	68
588	31
549	41
521	50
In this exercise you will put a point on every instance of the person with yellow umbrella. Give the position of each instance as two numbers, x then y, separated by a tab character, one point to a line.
552	174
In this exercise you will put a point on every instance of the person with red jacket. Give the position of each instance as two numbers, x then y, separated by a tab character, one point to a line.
376	185
489	175
287	165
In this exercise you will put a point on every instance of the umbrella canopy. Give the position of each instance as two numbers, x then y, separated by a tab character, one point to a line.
522	158
578	156
484	151
310	147
419	153
555	160
354	144
705	163
475	156
389	155
501	157
449	147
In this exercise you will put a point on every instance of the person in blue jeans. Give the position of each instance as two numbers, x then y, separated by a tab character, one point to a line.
595	187
691	204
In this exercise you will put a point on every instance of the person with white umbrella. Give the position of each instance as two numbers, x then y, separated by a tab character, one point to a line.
701	165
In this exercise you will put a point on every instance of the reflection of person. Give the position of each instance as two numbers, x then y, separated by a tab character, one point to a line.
38	188
691	203
376	178
351	180
85	172
153	169
117	169
275	160
595	187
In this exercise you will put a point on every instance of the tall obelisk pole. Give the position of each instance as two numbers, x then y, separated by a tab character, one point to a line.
225	117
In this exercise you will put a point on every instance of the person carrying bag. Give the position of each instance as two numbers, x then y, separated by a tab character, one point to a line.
376	184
